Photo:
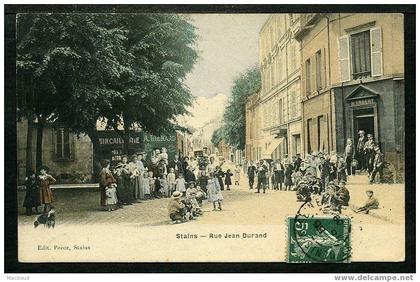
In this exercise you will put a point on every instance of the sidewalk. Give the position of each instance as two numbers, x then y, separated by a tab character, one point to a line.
390	197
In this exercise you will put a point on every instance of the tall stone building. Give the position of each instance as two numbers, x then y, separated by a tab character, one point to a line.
317	101
279	60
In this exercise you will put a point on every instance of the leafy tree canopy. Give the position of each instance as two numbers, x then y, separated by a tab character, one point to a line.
233	129
128	69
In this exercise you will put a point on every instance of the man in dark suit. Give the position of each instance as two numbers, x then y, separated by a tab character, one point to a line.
262	176
251	174
176	164
378	165
360	150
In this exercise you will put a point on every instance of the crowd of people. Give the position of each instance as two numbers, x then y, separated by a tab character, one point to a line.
321	174
187	182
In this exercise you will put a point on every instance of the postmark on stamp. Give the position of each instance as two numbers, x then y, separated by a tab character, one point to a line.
318	239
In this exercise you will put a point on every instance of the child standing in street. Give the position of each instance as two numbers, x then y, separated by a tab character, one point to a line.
46	194
214	192
164	186
228	179
146	185
180	184
171	180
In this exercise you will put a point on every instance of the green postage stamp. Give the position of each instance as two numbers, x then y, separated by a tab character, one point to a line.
318	239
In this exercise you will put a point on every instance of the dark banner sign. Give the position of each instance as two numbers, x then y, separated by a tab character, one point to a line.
112	145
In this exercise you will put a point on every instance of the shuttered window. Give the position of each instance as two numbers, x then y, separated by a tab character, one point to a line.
308	76
318	60
281	111
376	51
344	58
63	144
309	135
293	56
360	52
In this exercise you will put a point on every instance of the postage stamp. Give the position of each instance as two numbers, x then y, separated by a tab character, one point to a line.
318	239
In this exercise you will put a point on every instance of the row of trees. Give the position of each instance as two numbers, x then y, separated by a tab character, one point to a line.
125	69
233	126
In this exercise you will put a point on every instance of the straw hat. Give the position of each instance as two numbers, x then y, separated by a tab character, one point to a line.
176	195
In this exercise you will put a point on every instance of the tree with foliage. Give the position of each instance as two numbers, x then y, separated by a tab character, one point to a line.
217	136
161	48
125	69
233	129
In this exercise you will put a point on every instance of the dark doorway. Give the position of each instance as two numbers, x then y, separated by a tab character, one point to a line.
364	119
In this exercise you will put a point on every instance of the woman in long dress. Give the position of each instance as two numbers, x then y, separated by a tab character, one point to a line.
214	192
107	185
45	193
237	176
32	193
288	176
219	175
228	179
124	191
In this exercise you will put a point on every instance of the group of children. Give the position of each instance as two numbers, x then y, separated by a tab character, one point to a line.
130	182
38	191
186	205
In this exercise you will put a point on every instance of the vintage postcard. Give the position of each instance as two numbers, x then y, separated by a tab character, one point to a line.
206	137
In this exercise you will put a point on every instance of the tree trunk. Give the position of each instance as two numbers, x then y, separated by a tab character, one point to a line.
29	135
97	154
126	139
39	139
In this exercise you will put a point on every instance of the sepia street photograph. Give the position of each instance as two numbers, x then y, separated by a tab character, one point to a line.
210	137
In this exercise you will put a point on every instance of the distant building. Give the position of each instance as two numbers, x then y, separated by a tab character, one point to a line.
253	133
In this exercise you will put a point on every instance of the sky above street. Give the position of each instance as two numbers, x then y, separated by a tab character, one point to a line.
227	45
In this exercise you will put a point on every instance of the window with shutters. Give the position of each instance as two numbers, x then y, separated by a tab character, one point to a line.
280	111
318	61
360	54
309	135
308	76
273	70
280	66
63	144
293	104
292	57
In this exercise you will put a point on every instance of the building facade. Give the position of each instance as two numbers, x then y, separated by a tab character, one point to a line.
254	135
367	80
280	65
317	104
68	157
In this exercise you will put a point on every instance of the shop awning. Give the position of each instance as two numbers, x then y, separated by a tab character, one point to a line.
272	147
